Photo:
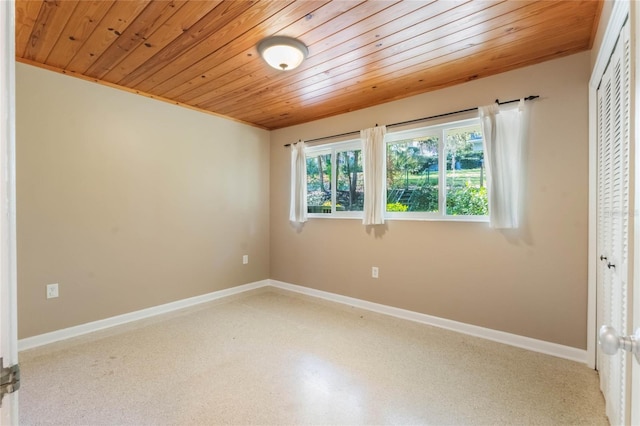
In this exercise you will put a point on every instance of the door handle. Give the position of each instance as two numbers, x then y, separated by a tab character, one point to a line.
610	341
603	257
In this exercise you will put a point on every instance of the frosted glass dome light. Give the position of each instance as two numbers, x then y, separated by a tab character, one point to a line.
283	53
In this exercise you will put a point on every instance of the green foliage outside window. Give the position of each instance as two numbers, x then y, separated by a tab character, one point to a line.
425	199
467	200
396	207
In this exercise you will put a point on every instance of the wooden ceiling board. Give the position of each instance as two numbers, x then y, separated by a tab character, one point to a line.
86	17
233	36
26	14
476	65
253	73
236	55
226	72
447	74
150	19
413	60
203	55
182	52
375	80
319	65
179	23
49	24
354	62
378	59
114	22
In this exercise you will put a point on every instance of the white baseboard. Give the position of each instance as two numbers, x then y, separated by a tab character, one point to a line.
528	343
79	330
535	345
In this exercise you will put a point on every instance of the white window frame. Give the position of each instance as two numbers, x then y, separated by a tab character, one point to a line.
438	131
333	149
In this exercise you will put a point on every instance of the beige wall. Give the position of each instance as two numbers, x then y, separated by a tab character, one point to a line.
532	283
129	203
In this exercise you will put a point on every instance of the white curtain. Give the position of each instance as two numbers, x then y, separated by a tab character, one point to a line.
375	174
504	129
298	209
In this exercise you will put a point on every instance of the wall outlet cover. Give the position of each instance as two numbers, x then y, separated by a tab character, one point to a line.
52	291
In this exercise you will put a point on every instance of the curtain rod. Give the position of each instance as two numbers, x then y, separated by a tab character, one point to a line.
417	120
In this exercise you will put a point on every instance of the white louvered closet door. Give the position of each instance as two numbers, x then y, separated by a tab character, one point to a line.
613	209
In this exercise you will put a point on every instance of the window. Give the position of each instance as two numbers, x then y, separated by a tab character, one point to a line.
433	172
465	173
437	172
412	174
336	167
319	187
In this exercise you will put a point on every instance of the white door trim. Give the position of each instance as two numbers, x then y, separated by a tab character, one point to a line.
634	17
8	288
614	26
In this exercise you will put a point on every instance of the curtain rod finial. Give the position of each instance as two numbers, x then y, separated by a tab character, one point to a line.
498	101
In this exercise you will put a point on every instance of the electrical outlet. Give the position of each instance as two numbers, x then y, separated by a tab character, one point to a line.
374	272
52	291
245	259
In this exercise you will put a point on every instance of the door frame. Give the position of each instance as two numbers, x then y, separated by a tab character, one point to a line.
634	18
616	21
8	270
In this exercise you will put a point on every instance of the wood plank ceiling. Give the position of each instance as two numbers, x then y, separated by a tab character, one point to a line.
202	54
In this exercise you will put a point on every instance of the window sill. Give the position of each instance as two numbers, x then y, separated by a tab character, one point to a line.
476	219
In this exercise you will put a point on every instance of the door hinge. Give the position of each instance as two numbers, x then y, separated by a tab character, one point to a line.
9	379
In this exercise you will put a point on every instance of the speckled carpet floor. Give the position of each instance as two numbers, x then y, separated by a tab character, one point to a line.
273	357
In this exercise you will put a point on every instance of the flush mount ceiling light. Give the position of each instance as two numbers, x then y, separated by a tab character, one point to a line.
283	53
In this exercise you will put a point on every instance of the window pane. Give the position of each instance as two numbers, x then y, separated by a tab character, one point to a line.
319	184
412	175
349	181
465	173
